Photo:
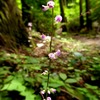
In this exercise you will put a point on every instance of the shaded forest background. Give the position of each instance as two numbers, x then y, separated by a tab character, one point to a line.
78	16
74	75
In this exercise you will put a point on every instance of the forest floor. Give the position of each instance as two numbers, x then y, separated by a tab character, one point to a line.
71	43
87	45
72	47
88	41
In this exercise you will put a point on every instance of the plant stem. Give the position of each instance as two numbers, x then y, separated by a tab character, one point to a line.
49	67
52	33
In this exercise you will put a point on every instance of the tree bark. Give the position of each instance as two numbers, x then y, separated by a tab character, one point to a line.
26	13
88	13
64	20
12	29
81	16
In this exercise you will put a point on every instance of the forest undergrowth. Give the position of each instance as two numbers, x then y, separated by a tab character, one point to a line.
75	74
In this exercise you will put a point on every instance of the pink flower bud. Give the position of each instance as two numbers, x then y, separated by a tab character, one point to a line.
58	53
53	90
43	36
50	4
49	98
44	8
58	18
52	56
46	38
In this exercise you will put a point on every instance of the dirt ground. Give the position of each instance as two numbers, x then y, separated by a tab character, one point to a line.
88	41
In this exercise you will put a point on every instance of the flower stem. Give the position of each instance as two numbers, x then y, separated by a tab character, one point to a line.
49	67
52	33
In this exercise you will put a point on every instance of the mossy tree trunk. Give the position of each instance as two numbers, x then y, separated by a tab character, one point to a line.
12	29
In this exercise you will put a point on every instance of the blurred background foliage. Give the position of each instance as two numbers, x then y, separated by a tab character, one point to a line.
41	20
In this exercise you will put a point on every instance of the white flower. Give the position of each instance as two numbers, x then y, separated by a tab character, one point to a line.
40	45
48	91
30	24
48	38
42	92
45	72
30	45
30	37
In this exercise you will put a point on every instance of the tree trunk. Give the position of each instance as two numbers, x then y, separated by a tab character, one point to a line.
88	19
26	13
81	16
12	29
64	20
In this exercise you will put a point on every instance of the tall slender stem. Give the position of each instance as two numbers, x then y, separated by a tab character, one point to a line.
52	33
49	67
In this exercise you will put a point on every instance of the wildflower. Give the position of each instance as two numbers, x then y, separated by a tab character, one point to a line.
58	18
43	36
45	72
30	24
40	45
30	45
29	41
44	8
30	37
50	4
46	38
55	54
42	92
48	98
48	91
58	53
52	55
53	90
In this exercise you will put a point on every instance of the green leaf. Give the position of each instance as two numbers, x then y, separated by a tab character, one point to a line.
91	87
9	78
4	70
14	85
70	80
74	93
56	83
32	60
70	68
63	76
28	95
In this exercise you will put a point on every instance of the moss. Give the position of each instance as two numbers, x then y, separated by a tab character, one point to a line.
11	25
